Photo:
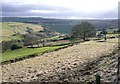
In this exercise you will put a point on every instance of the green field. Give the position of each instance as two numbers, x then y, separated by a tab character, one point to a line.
111	35
11	55
10	28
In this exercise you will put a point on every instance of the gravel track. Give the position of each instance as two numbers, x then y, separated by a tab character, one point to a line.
61	65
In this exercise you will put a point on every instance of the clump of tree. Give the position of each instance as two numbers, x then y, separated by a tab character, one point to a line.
29	30
42	38
11	45
16	46
34	39
83	31
30	39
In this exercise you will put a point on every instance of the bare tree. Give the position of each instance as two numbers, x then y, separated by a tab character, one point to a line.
83	31
30	39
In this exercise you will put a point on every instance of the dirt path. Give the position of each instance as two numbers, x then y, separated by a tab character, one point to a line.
54	66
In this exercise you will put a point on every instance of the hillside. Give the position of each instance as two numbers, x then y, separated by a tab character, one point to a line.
75	63
14	30
63	25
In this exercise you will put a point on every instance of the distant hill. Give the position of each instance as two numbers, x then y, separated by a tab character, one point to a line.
10	28
14	30
63	25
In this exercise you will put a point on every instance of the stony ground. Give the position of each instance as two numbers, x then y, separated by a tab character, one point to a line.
80	62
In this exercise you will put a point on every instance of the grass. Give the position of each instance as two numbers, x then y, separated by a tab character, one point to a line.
8	38
55	38
10	28
110	35
11	55
17	37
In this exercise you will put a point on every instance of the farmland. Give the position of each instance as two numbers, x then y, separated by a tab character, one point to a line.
11	55
10	28
64	25
47	51
64	65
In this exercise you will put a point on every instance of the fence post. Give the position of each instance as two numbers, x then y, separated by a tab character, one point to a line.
97	79
118	71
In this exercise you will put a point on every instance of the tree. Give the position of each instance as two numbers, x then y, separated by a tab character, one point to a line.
30	39
104	31
83	31
34	38
115	32
16	46
118	31
11	45
41	37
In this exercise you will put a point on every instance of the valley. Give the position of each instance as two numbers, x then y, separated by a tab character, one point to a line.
39	49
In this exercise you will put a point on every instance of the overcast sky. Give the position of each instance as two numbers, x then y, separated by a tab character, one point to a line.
70	9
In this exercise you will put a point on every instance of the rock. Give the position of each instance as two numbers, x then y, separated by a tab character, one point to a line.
68	68
32	76
75	64
38	75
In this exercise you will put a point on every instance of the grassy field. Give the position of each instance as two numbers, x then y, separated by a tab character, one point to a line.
10	55
111	35
10	28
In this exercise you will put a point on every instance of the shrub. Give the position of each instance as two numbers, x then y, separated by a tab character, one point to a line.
16	46
11	45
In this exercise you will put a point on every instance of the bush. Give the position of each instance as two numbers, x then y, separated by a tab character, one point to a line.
16	46
95	39
66	38
11	45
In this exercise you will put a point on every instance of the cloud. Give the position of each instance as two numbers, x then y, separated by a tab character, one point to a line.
111	14
60	8
28	7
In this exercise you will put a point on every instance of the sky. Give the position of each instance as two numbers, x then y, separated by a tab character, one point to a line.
61	9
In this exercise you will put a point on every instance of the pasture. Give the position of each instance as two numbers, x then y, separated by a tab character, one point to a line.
10	28
19	53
